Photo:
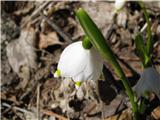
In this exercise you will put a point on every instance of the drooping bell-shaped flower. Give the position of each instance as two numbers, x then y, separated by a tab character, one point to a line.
79	64
119	5
148	82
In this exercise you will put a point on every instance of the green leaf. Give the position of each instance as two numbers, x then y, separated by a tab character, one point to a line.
141	50
97	40
140	47
149	33
142	106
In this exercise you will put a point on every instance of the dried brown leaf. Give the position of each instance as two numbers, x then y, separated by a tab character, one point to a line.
25	10
124	115
21	54
156	113
49	39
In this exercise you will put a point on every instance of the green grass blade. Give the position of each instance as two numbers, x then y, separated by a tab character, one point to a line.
140	47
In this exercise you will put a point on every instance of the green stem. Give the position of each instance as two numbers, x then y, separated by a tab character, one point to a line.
149	46
149	40
147	60
98	41
142	106
86	43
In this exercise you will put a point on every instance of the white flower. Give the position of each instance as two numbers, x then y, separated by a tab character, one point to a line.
119	5
79	64
149	82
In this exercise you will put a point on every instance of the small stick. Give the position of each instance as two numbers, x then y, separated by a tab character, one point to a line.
110	31
9	108
16	108
38	96
129	58
143	28
35	13
54	114
57	29
29	90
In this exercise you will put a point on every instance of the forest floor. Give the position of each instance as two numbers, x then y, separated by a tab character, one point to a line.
33	35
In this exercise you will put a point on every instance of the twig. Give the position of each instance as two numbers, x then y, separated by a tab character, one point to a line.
110	31
9	108
143	28
38	96
29	90
17	114
129	58
57	29
16	108
35	13
47	112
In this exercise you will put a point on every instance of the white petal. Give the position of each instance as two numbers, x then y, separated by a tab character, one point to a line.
94	66
149	81
80	64
72	60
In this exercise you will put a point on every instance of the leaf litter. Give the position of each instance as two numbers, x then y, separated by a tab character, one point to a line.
33	56
21	54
